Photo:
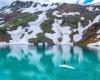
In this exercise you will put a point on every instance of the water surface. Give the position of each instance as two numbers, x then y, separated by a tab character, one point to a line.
26	62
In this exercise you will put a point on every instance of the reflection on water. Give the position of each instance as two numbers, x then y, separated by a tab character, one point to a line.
27	62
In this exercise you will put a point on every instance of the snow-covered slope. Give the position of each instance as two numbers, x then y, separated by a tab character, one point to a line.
58	23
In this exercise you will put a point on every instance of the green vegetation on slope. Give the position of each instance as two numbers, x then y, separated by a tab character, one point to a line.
41	38
70	20
3	30
20	20
46	26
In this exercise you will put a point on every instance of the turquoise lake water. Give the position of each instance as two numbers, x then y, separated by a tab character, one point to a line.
27	62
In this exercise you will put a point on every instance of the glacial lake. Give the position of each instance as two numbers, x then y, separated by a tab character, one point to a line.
27	62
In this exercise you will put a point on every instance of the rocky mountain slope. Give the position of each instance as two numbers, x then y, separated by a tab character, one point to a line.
57	23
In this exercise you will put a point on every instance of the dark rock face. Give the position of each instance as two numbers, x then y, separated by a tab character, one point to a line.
47	40
10	16
33	40
90	35
30	32
4	36
44	5
71	21
18	5
22	36
41	38
71	8
38	13
93	29
60	39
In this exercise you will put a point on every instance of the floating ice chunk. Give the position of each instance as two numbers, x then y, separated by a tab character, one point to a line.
66	66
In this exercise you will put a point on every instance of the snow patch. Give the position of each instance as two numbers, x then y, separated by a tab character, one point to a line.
57	13
39	8
60	32
34	27
94	45
97	19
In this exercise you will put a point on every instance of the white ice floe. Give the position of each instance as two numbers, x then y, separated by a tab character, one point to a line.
66	66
